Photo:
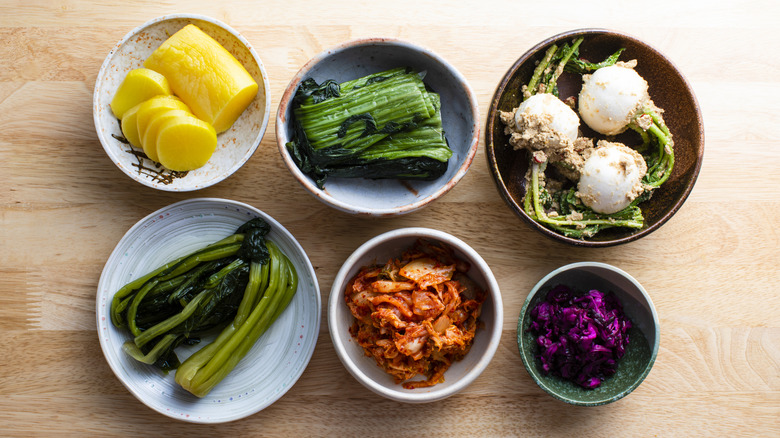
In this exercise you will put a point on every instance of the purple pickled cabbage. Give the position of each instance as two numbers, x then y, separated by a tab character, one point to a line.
580	337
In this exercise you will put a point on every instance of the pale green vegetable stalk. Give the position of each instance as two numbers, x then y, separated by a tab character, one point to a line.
270	289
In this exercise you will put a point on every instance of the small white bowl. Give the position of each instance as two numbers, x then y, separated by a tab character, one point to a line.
235	146
460	117
363	368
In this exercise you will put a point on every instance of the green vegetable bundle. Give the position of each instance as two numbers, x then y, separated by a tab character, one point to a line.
240	285
384	125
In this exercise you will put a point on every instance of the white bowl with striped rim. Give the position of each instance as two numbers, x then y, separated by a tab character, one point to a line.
270	368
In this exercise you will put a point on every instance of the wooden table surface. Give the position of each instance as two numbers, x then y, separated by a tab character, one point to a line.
712	270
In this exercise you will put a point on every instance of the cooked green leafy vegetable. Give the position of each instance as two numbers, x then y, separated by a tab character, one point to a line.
384	125
240	285
556	60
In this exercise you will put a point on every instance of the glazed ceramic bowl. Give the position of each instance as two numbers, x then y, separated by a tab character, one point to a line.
644	338
668	89
272	365
460	118
234	146
363	368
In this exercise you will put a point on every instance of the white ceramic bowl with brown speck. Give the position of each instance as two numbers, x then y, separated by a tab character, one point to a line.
234	146
388	197
364	368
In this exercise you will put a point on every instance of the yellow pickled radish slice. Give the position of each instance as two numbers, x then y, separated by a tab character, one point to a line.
185	143
130	126
152	107
149	140
205	76
139	85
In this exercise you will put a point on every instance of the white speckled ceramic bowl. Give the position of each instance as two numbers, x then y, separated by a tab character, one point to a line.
644	337
363	368
235	146
274	363
460	116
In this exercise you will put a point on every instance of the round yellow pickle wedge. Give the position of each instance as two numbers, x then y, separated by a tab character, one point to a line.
150	108
139	85
130	126
185	143
210	80
149	140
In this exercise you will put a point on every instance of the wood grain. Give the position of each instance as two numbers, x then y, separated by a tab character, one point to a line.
712	270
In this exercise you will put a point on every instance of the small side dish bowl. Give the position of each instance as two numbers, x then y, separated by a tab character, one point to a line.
363	368
460	119
668	89
235	146
644	338
275	361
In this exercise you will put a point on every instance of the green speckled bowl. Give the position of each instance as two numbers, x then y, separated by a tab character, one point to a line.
640	355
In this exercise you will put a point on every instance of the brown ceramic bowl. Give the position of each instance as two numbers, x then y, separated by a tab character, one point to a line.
668	89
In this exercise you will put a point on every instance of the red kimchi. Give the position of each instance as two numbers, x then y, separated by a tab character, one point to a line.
415	315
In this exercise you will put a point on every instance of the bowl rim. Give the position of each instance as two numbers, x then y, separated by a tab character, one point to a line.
104	67
493	164
577	265
335	301
324	196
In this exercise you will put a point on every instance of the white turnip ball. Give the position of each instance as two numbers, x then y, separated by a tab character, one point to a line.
611	97
563	120
611	177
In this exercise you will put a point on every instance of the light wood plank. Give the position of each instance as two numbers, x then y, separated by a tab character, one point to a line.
712	270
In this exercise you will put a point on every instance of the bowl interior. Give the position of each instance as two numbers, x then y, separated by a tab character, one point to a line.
643	345
459	117
235	146
365	369
668	89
